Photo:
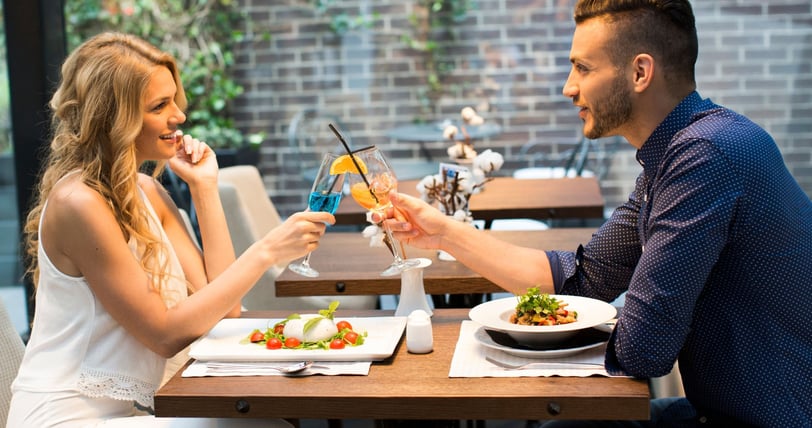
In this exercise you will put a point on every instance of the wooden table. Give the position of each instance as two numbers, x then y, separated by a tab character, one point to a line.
348	265
507	197
405	386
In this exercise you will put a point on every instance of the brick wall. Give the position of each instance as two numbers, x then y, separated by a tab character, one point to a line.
508	55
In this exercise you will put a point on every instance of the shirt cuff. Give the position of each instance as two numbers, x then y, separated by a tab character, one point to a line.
555	268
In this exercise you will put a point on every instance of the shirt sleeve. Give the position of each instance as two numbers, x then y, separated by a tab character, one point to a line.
603	268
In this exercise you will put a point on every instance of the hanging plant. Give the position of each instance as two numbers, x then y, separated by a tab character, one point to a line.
201	34
433	23
342	22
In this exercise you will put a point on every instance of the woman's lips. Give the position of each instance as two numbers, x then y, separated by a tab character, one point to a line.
174	136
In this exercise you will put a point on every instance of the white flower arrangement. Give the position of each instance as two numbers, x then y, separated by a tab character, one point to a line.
451	190
462	150
374	232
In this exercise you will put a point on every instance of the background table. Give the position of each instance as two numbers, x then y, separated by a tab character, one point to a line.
348	265
405	386
427	132
507	197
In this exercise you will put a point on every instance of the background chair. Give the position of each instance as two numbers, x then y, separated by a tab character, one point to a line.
187	221
669	385
587	158
11	355
250	215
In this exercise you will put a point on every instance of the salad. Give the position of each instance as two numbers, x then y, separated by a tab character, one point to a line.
310	331
535	308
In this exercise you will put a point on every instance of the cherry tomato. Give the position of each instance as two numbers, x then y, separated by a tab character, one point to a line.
337	344
351	337
257	336
341	325
279	328
273	343
292	342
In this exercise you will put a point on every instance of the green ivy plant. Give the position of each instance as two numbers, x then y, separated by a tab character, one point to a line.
342	22
201	34
433	23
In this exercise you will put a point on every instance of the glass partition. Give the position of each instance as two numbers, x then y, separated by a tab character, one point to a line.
12	291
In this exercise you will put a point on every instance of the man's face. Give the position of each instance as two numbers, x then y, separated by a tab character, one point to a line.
595	84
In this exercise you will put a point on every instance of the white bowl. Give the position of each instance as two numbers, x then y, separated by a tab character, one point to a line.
495	315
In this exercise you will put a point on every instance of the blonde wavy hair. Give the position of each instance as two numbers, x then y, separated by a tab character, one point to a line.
97	113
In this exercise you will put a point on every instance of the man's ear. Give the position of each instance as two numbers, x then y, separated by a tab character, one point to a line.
643	72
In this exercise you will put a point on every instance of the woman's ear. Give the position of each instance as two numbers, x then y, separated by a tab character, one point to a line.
643	69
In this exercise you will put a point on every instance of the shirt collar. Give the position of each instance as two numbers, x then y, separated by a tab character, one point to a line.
654	148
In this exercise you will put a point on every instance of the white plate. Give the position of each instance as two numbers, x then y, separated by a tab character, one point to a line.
222	343
495	315
485	340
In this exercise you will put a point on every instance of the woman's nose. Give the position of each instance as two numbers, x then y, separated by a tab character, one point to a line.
179	116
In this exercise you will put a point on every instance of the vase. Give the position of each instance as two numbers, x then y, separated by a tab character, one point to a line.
412	293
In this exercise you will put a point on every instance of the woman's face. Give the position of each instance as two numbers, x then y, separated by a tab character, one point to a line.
157	140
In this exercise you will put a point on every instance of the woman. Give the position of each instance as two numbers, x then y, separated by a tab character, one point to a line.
121	287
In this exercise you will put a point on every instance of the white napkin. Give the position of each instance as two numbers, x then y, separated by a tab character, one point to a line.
260	368
469	360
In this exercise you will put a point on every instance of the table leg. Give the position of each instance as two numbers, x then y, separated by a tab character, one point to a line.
424	150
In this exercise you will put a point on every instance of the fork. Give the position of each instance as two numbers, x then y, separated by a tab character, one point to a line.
224	367
540	364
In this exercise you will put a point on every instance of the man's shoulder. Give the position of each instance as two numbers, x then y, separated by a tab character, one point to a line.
718	123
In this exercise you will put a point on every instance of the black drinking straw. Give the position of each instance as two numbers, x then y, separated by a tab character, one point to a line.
354	161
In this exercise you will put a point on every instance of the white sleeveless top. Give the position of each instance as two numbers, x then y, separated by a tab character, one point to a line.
76	345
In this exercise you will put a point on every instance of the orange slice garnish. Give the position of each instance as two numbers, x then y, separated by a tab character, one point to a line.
344	164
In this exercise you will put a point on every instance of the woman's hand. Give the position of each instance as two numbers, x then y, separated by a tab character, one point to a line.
297	236
194	162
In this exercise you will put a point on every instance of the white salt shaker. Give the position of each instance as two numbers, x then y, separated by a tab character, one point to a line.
419	336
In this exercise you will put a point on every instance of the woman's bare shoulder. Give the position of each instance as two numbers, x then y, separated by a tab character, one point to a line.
72	204
72	194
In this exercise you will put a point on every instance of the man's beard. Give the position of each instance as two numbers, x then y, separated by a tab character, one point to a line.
610	113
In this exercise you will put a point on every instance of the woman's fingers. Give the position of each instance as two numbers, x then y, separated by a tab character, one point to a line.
194	148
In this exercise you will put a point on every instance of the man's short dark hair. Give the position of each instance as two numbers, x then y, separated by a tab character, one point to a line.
664	29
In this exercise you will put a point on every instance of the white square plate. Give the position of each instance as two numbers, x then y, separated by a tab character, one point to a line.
222	343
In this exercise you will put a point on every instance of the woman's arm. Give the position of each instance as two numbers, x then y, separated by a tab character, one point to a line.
82	237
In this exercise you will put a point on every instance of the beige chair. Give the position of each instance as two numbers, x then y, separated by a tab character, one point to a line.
190	228
11	355
250	214
669	385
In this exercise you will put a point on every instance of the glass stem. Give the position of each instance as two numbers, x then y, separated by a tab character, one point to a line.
306	260
395	249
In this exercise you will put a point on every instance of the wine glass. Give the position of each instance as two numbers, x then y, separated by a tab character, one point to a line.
324	196
370	183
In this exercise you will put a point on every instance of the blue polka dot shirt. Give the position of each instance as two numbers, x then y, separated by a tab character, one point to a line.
714	250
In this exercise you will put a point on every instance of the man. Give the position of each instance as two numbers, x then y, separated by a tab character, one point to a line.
713	247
